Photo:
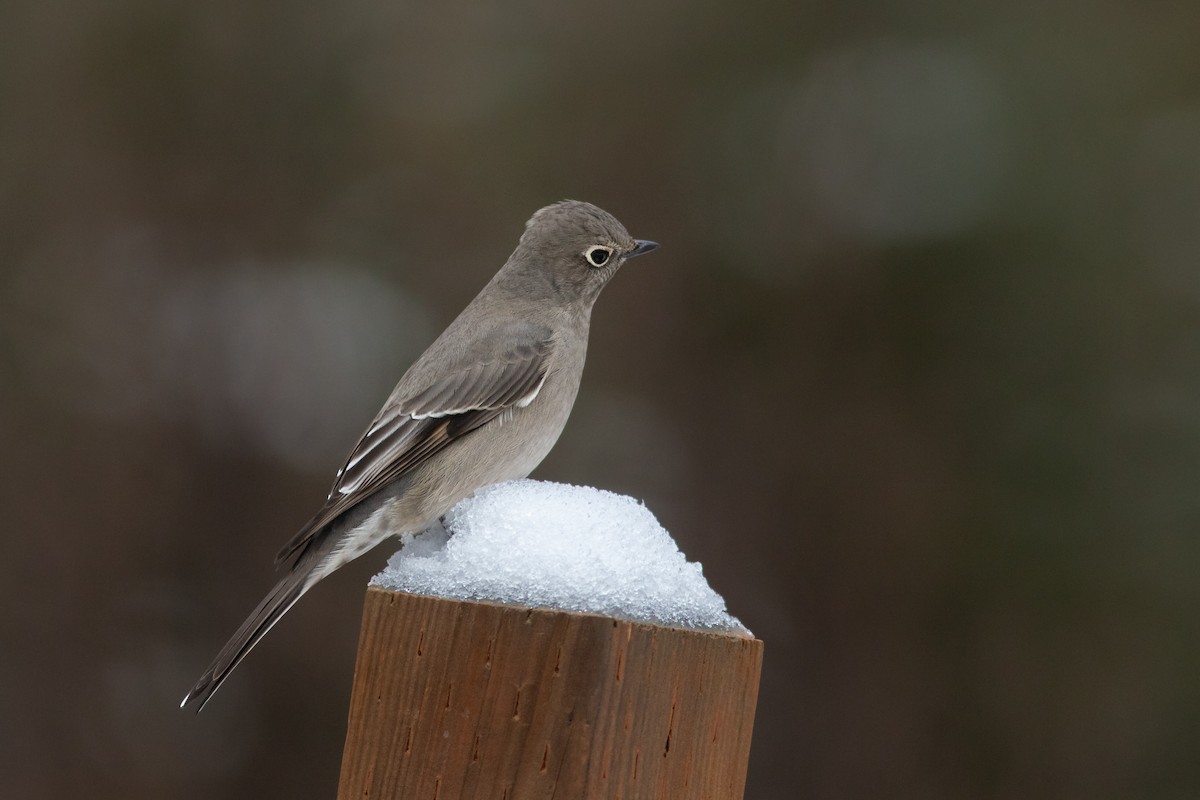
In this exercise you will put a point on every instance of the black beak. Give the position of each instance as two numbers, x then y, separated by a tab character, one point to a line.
643	246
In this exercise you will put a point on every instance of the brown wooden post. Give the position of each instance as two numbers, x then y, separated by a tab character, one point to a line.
477	700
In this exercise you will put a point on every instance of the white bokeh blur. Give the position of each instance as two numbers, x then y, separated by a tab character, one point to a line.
277	357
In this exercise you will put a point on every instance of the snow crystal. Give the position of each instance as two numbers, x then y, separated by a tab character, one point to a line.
551	545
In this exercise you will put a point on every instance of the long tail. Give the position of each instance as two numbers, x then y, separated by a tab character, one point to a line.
269	611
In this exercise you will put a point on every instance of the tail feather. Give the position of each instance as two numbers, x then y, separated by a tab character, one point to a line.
320	553
262	619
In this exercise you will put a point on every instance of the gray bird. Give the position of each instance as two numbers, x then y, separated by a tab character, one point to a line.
484	404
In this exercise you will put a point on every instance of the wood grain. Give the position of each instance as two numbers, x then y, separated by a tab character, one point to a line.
456	700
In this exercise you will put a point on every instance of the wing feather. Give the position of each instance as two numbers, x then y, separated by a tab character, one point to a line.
409	430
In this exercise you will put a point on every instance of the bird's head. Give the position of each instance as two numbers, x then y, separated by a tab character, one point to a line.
575	248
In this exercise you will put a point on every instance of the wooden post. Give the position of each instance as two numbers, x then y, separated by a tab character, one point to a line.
459	700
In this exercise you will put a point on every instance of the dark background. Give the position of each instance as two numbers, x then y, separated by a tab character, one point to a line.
915	374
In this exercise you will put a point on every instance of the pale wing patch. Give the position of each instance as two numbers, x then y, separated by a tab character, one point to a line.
373	457
519	402
529	398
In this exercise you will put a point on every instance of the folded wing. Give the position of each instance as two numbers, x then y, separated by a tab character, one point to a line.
409	430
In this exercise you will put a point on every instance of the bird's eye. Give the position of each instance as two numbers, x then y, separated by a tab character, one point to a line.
597	255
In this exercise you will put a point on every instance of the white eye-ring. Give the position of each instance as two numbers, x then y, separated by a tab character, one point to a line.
597	255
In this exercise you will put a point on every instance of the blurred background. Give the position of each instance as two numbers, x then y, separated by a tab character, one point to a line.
915	373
